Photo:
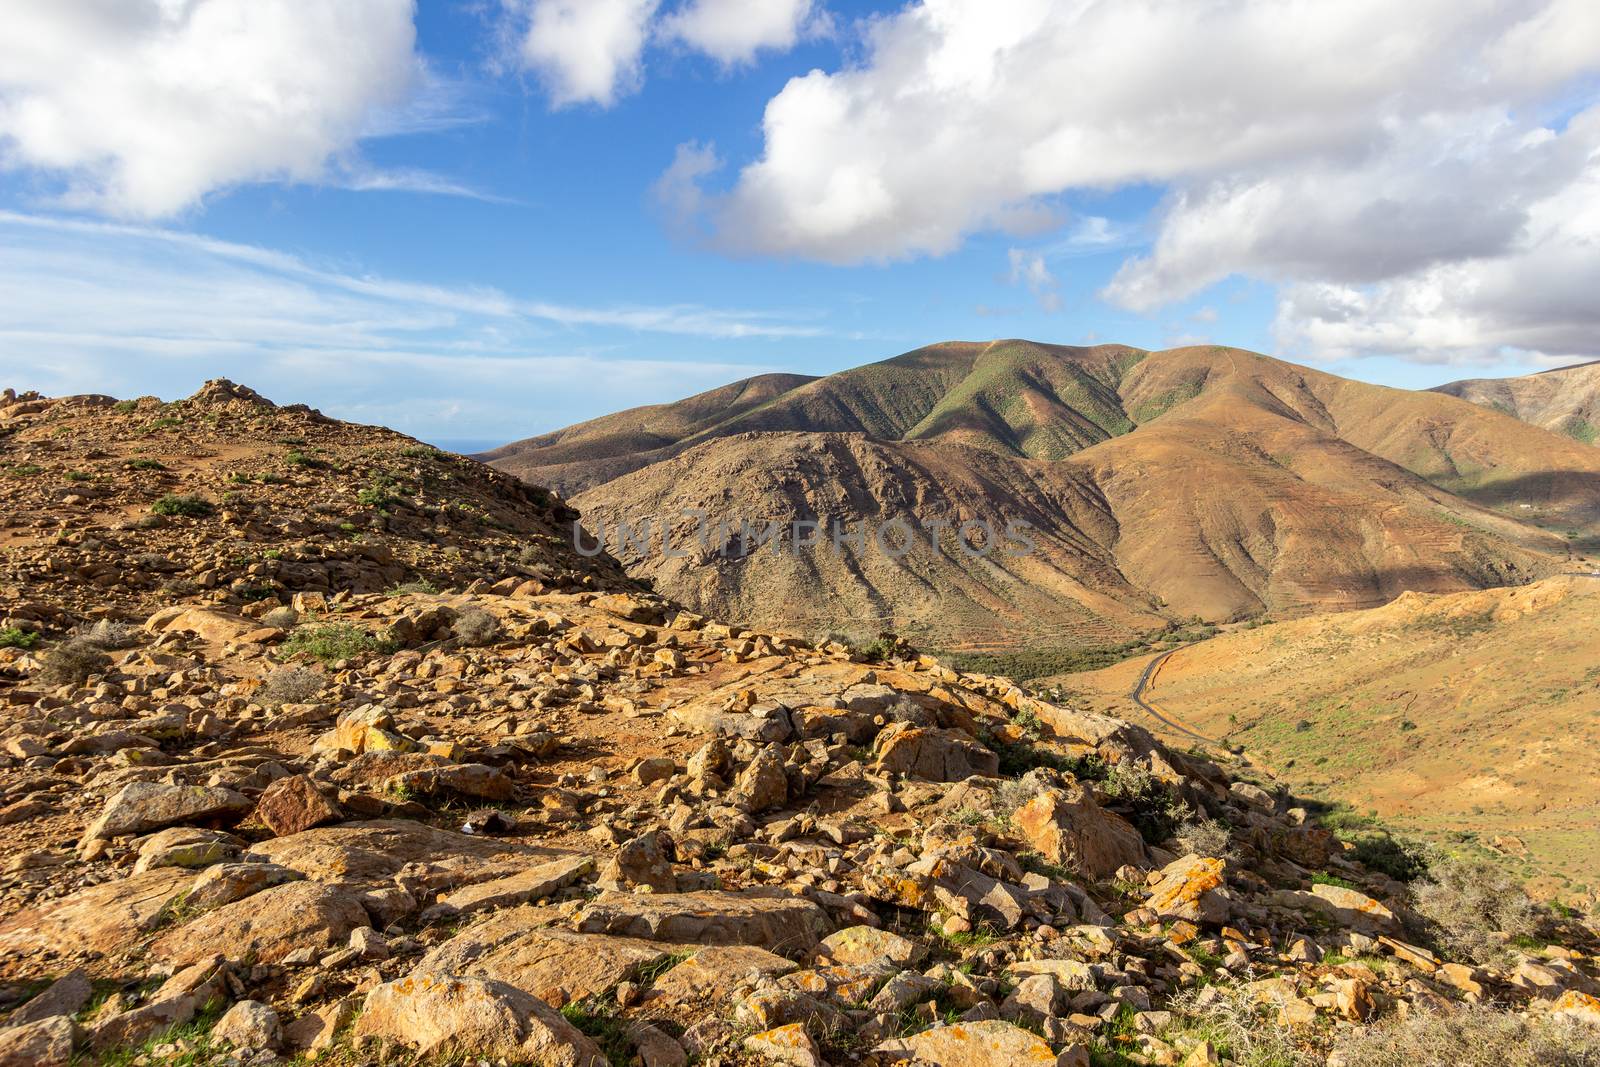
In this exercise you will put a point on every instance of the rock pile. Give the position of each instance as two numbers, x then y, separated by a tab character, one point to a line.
614	831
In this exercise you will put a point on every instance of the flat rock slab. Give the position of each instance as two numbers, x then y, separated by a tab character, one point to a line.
140	807
779	923
108	918
541	881
986	1044
557	966
266	926
716	971
443	1015
363	853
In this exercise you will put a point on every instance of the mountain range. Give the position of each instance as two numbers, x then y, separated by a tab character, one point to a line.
1160	487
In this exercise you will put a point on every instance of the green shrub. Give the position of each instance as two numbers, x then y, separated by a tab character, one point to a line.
26	470
16	637
1153	807
187	504
145	464
333	641
122	407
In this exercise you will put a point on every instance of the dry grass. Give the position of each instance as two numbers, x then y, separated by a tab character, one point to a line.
476	627
72	663
1470	1037
290	685
1474	907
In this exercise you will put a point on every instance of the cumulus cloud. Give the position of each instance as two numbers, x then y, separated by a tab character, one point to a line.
142	107
585	51
1533	299
1348	144
733	31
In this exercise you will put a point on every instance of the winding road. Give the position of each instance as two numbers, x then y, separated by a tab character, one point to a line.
1154	711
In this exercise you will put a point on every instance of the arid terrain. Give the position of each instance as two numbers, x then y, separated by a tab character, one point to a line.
1565	400
1466	712
1207	483
320	745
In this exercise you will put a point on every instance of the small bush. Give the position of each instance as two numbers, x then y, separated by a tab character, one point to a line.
27	470
111	634
17	637
193	506
122	407
475	627
1205	837
1471	1037
423	587
334	641
1473	907
76	476
289	685
72	663
1154	808
145	465
1239	1026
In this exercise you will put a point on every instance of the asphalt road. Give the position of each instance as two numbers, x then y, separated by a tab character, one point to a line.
1155	712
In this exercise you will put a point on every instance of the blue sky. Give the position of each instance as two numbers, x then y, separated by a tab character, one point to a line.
479	221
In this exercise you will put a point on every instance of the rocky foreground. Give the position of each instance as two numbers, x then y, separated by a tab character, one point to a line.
289	800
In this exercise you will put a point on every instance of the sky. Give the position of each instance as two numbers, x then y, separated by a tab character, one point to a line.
478	220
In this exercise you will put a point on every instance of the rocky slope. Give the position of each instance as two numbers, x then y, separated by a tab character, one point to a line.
1565	400
1204	482
552	820
1463	711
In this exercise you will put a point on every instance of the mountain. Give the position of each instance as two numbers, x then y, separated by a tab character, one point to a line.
1161	486
1439	712
262	813
1565	400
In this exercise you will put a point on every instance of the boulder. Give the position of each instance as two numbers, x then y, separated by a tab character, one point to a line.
933	754
228	882
557	966
44	1043
249	1025
1067	827
782	923
107	918
185	846
868	944
267	926
714	972
140	807
785	1044
1192	888
446	1016
540	881
290	805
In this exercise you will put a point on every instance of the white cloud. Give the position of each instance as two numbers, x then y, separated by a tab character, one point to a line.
142	107
113	307
1532	301
585	51
733	31
1029	269
1353	145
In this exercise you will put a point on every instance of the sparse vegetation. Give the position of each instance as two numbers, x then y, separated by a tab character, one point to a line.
1474	907
17	637
475	627
333	641
1238	1024
1153	807
73	663
1471	1036
290	685
1205	837
111	634
145	464
194	507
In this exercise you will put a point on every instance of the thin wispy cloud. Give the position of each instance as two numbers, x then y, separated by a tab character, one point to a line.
112	307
